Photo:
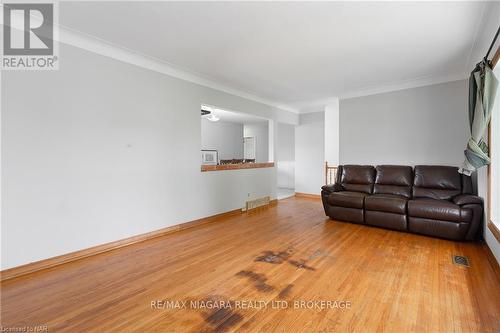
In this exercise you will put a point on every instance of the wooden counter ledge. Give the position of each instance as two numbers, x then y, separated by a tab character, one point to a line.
236	166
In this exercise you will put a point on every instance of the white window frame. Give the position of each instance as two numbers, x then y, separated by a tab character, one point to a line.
493	209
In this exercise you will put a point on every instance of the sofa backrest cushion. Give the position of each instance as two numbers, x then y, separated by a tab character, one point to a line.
357	178
436	182
393	179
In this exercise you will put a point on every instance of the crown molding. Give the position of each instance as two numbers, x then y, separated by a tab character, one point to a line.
320	104
102	47
402	85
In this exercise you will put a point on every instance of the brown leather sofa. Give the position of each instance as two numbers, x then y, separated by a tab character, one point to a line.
430	200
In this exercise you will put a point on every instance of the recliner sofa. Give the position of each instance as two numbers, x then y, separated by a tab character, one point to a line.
429	200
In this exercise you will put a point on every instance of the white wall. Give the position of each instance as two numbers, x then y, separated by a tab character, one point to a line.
102	150
332	133
261	134
425	125
285	156
225	137
310	153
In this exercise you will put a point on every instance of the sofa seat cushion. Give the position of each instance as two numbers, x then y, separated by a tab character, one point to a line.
347	199
386	203
435	209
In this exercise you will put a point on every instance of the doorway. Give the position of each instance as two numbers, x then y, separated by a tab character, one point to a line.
285	161
249	148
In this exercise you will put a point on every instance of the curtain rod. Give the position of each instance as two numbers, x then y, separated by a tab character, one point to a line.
492	43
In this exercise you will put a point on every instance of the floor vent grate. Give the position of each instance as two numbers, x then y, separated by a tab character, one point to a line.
461	261
259	202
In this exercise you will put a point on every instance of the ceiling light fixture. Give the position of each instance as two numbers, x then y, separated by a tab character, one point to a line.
213	117
206	110
208	113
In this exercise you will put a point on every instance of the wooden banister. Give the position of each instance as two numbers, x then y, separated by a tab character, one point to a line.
330	174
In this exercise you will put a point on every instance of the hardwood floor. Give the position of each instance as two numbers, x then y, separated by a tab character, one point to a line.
381	280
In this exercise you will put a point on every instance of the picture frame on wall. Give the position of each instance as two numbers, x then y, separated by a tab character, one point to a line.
209	157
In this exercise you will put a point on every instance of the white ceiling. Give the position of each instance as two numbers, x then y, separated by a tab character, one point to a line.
295	53
236	117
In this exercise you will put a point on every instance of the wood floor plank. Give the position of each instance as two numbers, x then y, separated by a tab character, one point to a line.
395	282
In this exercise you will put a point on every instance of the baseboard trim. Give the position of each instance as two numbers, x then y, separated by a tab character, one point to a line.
85	253
494	230
492	260
307	195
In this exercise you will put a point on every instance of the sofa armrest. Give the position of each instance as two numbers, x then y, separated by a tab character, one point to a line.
332	188
467	199
326	190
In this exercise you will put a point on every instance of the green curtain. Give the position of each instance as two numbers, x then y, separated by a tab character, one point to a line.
482	91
